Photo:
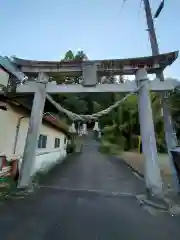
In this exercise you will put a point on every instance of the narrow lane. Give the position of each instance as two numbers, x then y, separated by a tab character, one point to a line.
91	170
75	202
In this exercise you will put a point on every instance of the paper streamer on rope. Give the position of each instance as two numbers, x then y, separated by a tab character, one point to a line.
72	128
84	128
96	126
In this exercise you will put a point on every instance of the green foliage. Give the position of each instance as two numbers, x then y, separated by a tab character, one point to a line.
175	109
120	128
109	148
69	55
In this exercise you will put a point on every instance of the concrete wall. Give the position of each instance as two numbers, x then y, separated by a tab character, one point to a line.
45	157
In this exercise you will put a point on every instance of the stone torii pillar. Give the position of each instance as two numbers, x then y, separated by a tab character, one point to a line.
152	171
33	132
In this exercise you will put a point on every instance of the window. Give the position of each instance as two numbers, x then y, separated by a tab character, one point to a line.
42	141
57	143
65	140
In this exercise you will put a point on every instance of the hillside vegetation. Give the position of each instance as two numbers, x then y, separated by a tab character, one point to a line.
121	127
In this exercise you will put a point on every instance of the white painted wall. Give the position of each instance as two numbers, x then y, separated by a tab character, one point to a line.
46	157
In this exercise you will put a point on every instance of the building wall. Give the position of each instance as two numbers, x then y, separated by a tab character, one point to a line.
45	157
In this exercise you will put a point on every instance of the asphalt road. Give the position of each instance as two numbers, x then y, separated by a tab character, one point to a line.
89	197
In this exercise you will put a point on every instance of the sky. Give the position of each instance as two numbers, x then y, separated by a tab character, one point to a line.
47	29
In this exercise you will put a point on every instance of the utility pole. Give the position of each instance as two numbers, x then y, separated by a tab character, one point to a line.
170	135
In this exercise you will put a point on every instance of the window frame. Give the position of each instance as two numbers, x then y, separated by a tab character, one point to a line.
57	142
42	141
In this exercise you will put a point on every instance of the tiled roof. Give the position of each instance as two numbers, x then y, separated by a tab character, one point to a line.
50	117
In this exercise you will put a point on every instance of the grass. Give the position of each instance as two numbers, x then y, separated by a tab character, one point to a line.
109	148
8	188
136	161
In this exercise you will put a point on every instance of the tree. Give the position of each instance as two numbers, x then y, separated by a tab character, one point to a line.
72	102
69	56
121	126
80	55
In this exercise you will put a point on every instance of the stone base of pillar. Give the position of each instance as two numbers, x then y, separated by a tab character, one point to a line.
158	203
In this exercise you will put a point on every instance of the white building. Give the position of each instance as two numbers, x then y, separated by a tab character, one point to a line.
14	121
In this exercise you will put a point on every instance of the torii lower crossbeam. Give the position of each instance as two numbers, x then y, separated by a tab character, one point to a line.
129	86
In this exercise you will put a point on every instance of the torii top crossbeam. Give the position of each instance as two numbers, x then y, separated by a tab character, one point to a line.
153	64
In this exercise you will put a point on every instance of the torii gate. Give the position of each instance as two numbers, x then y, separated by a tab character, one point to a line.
91	71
